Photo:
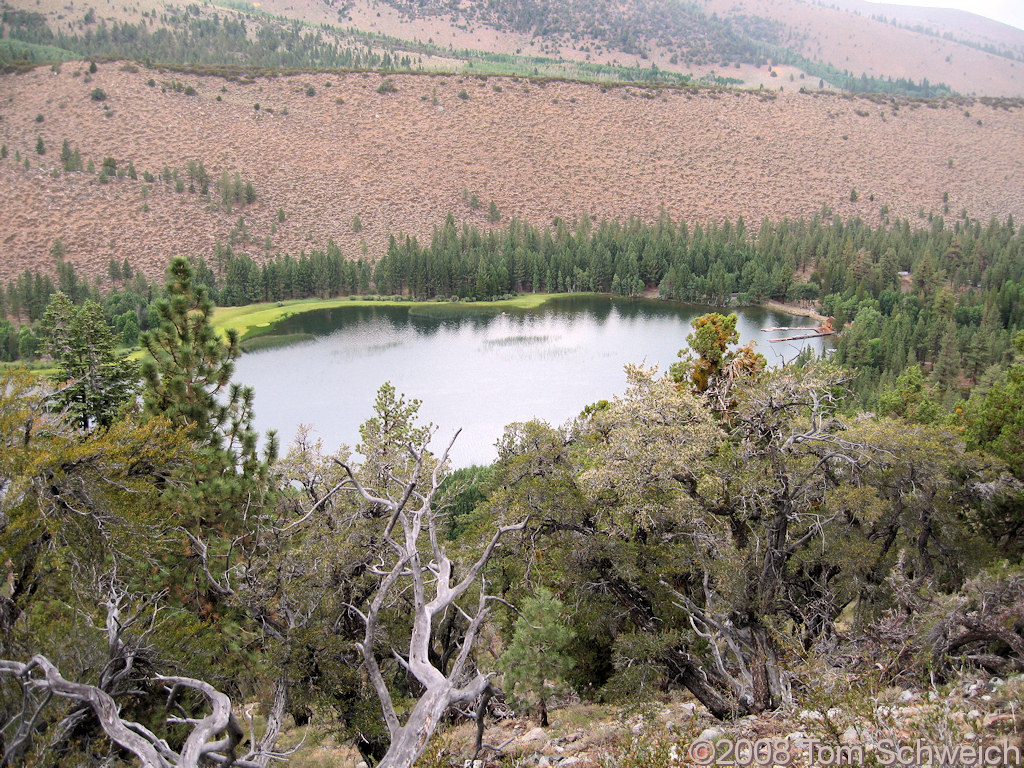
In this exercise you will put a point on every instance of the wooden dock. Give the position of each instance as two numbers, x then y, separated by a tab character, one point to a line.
803	336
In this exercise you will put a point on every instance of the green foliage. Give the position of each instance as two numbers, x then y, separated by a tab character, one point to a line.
40	147
190	367
712	336
912	398
98	94
387	86
93	381
461	491
535	662
995	422
692	518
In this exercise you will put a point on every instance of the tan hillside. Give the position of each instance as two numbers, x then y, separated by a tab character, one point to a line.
401	162
853	40
843	34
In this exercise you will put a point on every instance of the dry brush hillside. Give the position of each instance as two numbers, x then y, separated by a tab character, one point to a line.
401	162
850	39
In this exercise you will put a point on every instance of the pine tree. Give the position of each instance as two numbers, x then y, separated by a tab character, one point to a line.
948	363
94	381
188	380
535	661
66	156
190	370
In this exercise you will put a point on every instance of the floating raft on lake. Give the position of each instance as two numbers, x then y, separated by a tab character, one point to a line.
825	329
813	335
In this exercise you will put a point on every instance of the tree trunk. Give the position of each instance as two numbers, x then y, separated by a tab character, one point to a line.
268	741
764	668
543	712
411	740
687	674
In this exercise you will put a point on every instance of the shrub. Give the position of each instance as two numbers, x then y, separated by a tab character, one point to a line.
98	94
39	118
463	95
311	91
387	86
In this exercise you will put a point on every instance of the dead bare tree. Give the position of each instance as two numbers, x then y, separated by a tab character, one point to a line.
419	562
214	738
129	622
929	631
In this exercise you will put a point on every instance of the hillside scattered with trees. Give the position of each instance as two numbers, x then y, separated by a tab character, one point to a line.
783	45
359	157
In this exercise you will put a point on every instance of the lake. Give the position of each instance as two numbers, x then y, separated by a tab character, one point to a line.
474	369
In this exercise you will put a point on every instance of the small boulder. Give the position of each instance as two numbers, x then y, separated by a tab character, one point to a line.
711	734
536	734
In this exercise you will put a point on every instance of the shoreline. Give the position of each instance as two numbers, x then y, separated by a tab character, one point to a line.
790	309
255	320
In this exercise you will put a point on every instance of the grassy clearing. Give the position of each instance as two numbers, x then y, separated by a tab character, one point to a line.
38	367
257	319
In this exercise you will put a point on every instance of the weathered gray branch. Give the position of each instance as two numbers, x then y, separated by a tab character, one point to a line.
430	575
213	738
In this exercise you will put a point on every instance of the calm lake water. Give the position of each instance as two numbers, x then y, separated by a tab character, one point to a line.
478	370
